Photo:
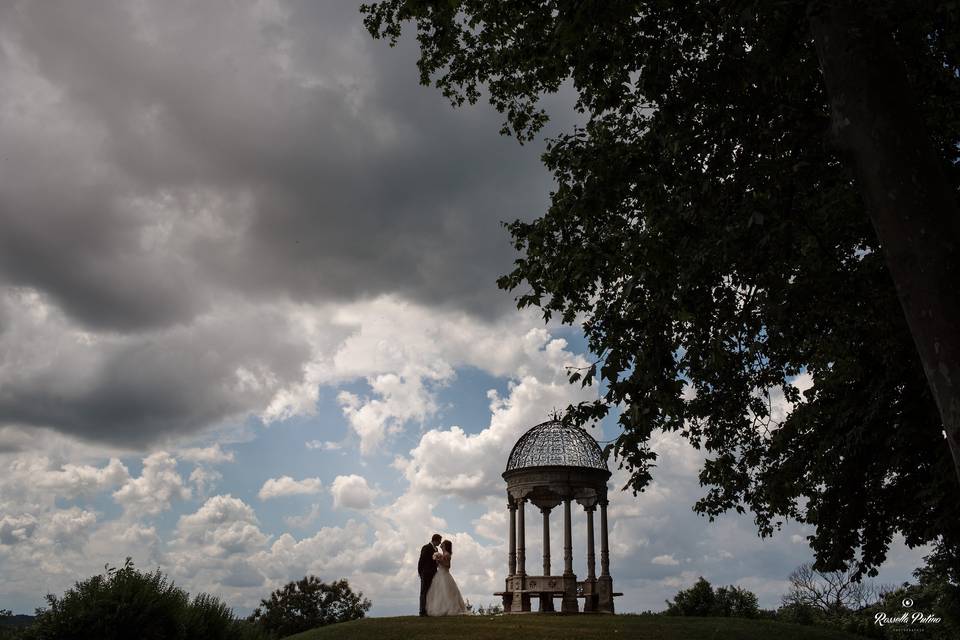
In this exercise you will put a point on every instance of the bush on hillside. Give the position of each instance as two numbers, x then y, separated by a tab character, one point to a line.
125	601
306	604
735	602
489	610
698	600
702	600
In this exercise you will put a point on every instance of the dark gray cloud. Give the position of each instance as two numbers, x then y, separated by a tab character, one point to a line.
132	390
164	162
354	179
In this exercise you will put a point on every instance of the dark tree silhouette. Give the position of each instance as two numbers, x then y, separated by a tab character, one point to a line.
760	190
702	600
309	603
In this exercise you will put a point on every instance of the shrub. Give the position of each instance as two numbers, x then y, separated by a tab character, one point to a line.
489	610
702	600
306	604
799	613
110	605
698	600
735	602
126	603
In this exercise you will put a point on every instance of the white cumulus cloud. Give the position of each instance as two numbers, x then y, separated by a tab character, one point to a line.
158	485
352	492
287	486
210	455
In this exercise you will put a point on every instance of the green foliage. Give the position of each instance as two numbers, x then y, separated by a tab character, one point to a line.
110	605
308	603
14	627
939	585
8	629
698	600
717	248
489	610
799	613
126	603
837	601
702	600
735	602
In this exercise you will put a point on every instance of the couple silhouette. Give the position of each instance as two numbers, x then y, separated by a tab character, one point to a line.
439	593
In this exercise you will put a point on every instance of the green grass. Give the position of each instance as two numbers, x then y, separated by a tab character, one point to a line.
547	627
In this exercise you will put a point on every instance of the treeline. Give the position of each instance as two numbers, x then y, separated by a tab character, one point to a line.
842	600
126	603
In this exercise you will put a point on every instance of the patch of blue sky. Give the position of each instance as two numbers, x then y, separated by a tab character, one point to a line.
464	402
460	513
576	341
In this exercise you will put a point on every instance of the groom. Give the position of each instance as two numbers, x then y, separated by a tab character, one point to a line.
427	568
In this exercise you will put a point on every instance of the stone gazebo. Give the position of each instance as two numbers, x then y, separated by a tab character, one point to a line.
550	465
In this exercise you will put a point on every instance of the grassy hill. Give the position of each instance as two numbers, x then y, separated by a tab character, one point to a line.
536	627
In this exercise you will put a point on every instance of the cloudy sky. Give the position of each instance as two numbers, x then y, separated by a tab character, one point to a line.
248	322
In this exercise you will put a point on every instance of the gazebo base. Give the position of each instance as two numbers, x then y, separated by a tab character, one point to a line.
522	591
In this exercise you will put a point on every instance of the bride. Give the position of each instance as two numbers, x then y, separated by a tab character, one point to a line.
443	598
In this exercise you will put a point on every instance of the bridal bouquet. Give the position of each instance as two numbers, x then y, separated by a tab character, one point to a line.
437	555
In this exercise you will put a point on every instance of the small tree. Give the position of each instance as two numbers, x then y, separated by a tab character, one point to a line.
734	602
725	602
698	600
309	603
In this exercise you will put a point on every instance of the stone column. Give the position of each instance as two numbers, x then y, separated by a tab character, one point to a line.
590	584
567	540
521	540
546	600
604	541
591	556
604	582
546	540
512	558
569	602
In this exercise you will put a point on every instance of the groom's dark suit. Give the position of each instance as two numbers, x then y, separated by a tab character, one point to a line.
427	568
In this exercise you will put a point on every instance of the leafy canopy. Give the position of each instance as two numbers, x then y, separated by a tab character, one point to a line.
703	600
308	603
126	603
716	246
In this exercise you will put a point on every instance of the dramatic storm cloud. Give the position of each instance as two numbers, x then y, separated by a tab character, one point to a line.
177	178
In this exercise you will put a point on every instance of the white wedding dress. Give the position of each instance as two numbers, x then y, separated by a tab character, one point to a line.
443	598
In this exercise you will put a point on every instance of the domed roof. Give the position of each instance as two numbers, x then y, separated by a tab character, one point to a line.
553	443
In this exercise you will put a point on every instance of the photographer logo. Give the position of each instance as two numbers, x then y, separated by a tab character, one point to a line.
905	618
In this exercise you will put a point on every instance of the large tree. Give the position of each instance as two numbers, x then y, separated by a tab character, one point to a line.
761	193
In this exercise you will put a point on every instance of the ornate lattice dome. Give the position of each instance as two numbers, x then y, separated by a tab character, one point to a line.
554	444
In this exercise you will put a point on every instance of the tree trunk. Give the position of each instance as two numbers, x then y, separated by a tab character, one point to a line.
878	126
